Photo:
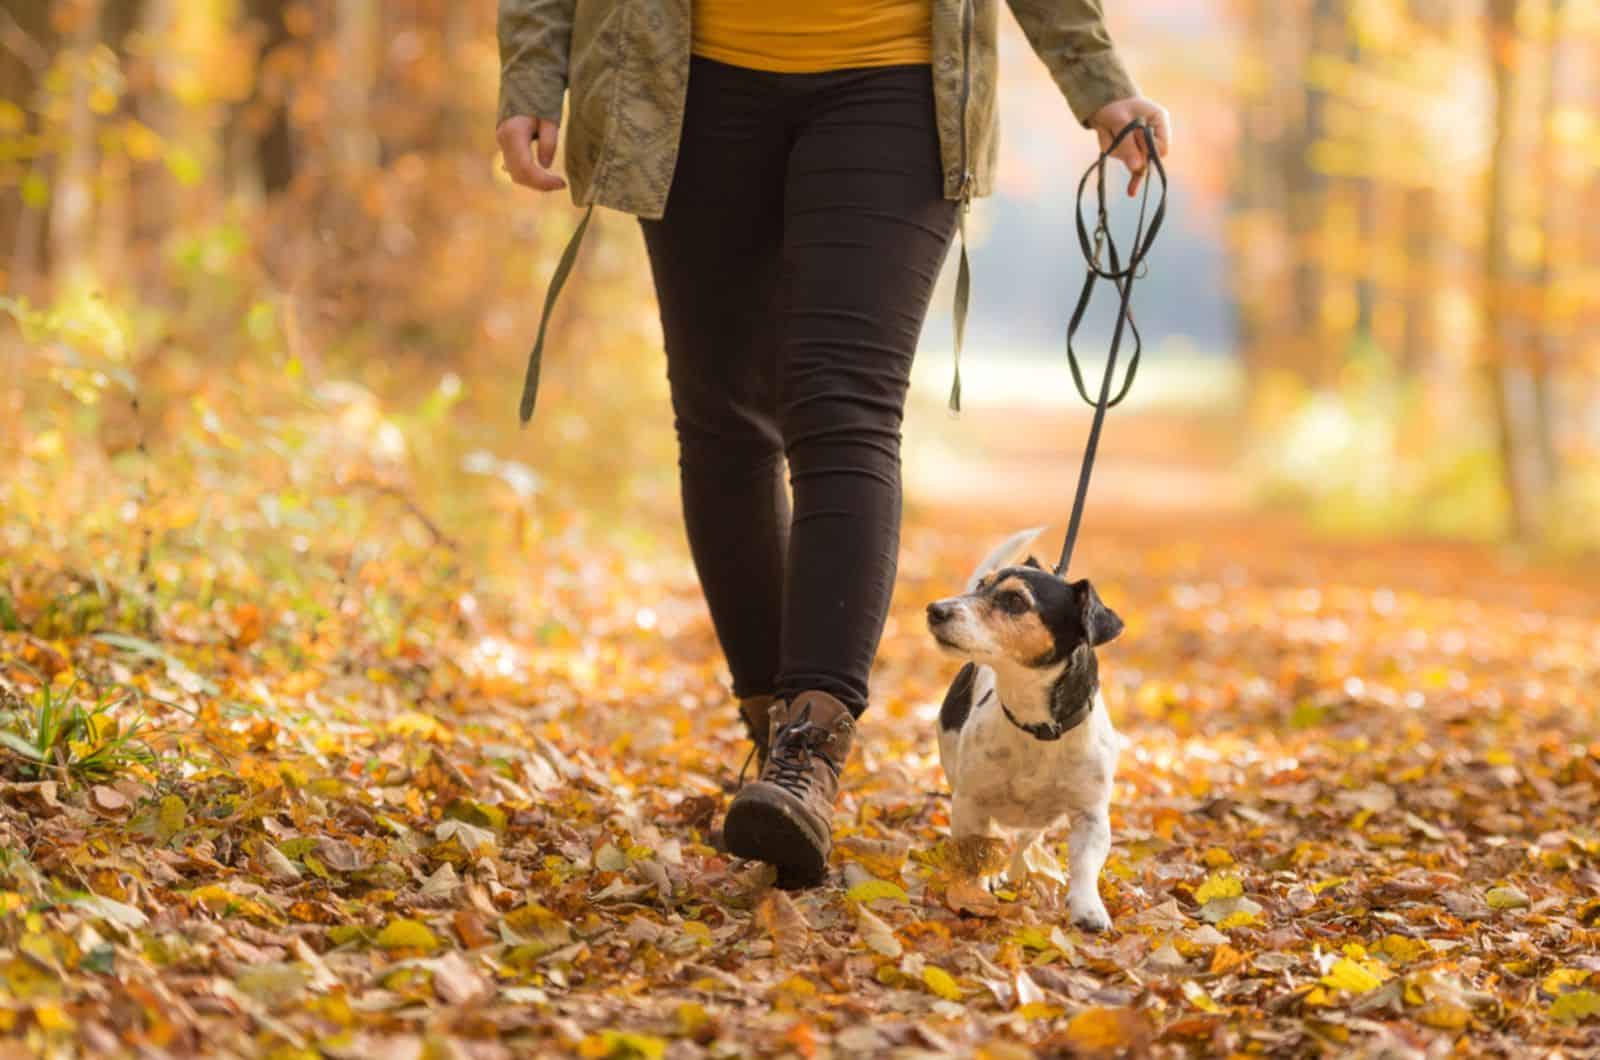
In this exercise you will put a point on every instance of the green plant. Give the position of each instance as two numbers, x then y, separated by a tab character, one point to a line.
58	734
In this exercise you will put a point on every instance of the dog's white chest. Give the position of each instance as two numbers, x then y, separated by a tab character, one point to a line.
1008	778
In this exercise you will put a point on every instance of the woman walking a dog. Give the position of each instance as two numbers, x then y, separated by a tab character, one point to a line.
799	171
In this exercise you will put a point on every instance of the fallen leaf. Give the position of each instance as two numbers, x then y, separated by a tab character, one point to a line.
940	982
1505	897
1352	976
784	923
876	934
456	981
1217	886
873	890
406	935
108	799
1575	1006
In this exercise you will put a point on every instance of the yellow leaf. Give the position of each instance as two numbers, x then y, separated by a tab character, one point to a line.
1559	980
406	935
1401	950
697	930
1331	881
1241	918
692	1016
622	1045
413	723
1445	1015
1034	938
872	890
939	981
1039	1010
1506	897
797	987
1198	997
218	899
1578	1005
882	858
1217	858
1218	887
1352	977
169	822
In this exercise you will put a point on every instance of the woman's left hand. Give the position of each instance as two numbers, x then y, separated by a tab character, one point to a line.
1114	117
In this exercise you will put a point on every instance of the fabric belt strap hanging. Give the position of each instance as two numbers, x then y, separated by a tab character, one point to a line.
530	381
958	312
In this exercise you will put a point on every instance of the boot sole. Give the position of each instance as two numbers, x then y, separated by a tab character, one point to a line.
764	826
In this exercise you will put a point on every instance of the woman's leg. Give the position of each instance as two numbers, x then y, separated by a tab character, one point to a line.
866	228
715	258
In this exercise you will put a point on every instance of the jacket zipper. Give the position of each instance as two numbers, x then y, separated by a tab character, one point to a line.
964	271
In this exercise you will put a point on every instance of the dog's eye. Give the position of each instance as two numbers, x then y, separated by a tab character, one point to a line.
1011	602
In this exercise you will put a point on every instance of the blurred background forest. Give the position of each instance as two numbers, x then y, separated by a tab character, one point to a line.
267	242
315	667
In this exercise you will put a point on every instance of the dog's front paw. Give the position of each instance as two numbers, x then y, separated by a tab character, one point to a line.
1091	916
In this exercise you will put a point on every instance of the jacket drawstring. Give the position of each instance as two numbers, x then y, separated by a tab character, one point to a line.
530	382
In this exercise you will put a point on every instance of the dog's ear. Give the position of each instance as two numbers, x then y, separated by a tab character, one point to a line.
1032	561
1100	624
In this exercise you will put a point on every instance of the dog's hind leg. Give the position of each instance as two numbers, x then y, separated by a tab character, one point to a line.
1090	843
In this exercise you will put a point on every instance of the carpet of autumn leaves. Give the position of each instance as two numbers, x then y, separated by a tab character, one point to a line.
394	810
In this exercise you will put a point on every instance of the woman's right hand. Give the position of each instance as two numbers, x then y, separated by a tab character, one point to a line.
517	136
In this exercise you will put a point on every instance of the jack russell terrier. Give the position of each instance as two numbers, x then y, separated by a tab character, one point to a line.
1024	737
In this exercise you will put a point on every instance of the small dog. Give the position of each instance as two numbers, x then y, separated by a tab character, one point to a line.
1023	734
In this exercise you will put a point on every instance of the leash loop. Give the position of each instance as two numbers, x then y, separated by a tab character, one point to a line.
1101	245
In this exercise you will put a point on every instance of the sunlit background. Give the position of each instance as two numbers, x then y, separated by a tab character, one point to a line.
268	243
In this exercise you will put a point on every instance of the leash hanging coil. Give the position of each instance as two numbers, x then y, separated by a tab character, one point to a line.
1101	244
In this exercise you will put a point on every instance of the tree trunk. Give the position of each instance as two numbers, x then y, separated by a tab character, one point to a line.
27	42
1548	345
72	197
1508	379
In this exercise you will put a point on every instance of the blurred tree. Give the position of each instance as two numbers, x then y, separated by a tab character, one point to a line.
1511	384
28	43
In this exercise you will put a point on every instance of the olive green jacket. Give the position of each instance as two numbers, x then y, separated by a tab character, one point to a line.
625	64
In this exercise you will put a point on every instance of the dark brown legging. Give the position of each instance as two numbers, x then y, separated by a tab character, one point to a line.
804	231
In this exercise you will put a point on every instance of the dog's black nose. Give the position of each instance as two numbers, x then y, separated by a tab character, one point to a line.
939	611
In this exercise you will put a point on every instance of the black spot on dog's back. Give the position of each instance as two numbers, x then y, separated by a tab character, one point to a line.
958	701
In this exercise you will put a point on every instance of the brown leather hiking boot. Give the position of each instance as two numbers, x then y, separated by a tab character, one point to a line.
755	712
785	817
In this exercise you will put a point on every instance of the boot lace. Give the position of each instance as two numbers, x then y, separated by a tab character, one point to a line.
750	731
793	747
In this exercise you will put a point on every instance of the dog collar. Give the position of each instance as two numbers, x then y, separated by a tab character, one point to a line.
1038	730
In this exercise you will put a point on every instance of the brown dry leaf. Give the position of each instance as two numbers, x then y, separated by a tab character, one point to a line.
456	981
108	799
967	895
784	924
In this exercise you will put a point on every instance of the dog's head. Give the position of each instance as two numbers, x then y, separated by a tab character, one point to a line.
1023	616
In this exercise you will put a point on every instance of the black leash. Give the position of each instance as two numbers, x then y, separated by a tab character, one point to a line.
1122	277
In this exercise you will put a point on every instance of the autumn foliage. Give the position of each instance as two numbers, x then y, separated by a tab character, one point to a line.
340	718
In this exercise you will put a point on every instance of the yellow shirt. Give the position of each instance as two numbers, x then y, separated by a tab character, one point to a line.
808	36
